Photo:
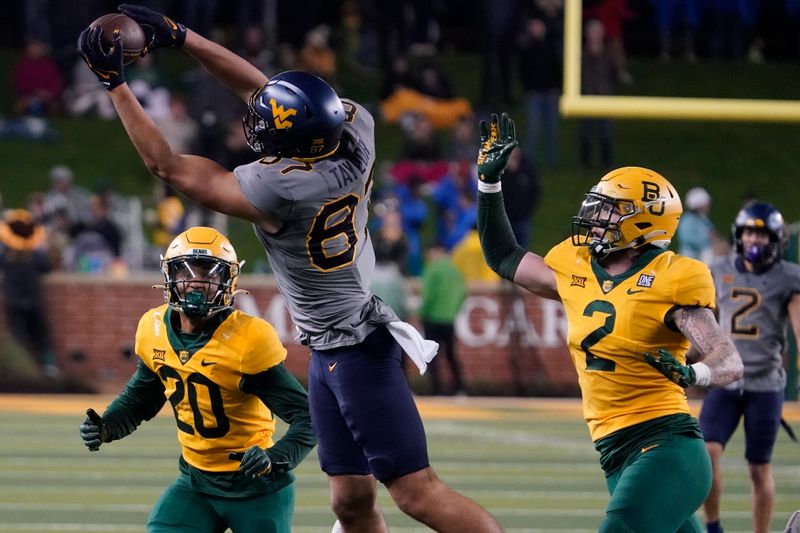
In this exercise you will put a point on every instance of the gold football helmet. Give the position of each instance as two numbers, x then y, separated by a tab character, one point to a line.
200	270
628	208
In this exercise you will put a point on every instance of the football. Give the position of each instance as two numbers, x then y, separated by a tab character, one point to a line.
133	38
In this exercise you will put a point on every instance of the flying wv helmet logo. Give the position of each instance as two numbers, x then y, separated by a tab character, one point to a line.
281	115
651	192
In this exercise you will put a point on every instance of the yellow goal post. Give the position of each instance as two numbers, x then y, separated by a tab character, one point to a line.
574	104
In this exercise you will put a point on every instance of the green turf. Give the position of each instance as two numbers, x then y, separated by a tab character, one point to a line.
536	472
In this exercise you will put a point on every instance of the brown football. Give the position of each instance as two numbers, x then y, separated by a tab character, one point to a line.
132	35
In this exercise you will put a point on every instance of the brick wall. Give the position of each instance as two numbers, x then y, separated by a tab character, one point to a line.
508	342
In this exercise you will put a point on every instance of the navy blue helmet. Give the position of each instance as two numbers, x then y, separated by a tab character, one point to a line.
760	216
296	115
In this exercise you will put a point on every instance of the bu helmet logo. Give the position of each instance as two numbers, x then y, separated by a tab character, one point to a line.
280	115
651	192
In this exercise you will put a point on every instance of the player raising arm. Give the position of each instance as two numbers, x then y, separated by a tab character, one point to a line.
223	373
307	196
633	309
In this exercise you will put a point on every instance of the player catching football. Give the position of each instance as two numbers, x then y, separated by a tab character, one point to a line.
222	371
633	308
307	198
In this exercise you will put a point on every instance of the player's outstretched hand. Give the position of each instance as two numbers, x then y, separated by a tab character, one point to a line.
255	462
107	66
92	430
498	139
160	30
666	363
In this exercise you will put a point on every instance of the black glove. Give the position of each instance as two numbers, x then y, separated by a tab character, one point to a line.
160	30
666	363
255	462
93	431
107	66
498	139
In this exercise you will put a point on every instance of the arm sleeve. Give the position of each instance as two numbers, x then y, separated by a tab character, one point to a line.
141	399
500	248
285	397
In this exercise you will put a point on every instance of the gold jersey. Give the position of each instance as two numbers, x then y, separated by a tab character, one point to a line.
613	320
213	415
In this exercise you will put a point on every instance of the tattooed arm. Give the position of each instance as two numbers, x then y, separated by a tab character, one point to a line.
713	347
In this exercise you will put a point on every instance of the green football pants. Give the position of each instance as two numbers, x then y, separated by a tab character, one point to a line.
182	509
660	488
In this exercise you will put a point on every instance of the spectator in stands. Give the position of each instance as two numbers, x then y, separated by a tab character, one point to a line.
170	216
540	73
432	81
84	95
398	76
65	196
389	239
696	233
454	197
612	14
468	259
413	214
23	262
254	49
521	185
671	15
148	84
443	291
420	141
598	76
462	143
497	36
317	56
97	245
180	130
727	20
37	81
391	258
102	224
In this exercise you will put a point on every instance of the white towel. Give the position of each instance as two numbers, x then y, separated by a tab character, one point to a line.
421	351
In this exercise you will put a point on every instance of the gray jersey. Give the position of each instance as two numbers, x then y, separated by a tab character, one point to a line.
753	310
322	256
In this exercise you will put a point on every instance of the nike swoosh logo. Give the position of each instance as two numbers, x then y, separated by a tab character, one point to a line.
634	292
332	366
646	448
207	363
171	23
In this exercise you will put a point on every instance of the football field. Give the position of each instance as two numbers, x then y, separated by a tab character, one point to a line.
529	461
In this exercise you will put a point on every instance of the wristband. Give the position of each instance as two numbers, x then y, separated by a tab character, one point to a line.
702	374
489	187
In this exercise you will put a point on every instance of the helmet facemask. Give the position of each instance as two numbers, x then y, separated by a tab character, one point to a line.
254	129
761	218
760	255
598	222
199	286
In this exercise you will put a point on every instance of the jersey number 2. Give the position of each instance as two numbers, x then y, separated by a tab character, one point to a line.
215	399
751	300
592	361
